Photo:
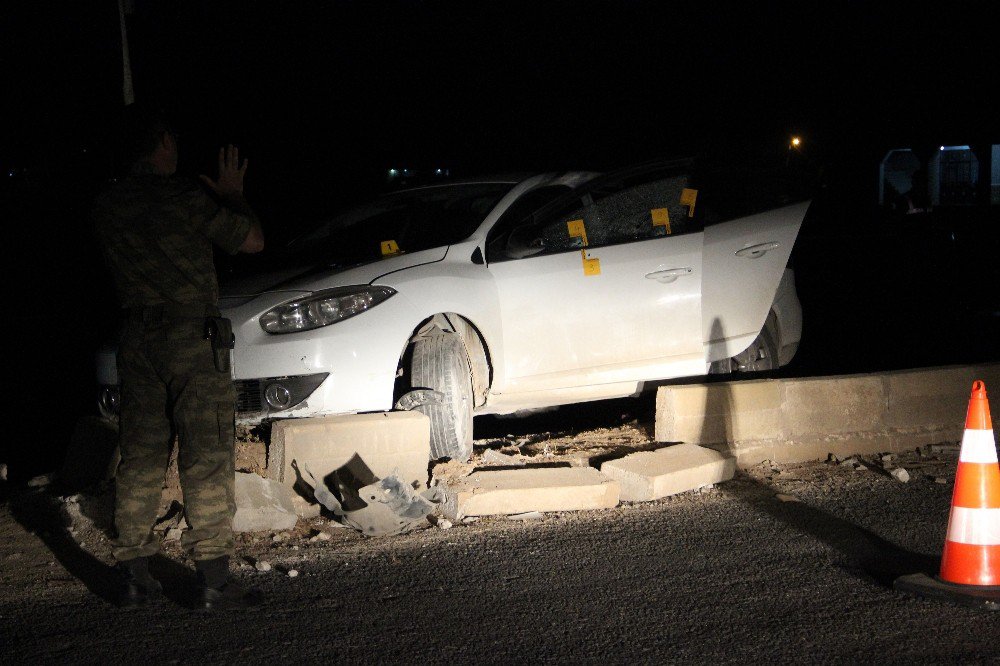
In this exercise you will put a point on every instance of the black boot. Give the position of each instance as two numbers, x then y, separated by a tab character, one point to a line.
218	592
136	585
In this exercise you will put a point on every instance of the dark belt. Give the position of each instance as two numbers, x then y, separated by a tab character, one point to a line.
152	314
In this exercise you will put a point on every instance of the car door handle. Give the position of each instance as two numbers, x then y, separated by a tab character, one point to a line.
668	275
758	250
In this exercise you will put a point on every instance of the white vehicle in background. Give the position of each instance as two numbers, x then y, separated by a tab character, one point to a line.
498	295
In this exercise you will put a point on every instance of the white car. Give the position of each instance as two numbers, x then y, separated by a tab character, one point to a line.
506	294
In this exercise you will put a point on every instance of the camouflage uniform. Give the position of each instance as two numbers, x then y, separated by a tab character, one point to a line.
157	233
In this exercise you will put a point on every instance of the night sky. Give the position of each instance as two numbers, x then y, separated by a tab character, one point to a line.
324	97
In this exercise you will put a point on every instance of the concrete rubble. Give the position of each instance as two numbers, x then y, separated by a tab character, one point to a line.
262	505
900	475
508	492
652	475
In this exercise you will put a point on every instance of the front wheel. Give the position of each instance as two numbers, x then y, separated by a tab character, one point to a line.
441	363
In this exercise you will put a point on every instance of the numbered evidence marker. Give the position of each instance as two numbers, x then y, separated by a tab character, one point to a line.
389	248
576	229
661	218
591	265
688	198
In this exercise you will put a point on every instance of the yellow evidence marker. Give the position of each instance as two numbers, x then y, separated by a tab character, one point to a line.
661	218
591	266
688	198
389	248
577	229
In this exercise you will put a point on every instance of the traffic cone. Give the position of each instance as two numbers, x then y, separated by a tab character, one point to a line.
970	563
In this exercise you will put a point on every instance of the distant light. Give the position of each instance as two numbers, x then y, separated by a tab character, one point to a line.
10	174
438	171
954	148
393	172
796	141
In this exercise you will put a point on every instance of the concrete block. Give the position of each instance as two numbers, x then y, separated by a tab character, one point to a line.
385	443
933	397
794	420
715	413
262	505
508	492
650	475
833	405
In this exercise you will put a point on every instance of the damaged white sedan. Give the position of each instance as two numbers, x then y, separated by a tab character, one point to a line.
499	295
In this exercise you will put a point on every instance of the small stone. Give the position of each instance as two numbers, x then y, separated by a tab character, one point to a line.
3	472
278	538
295	547
849	462
491	457
261	565
940	479
40	481
320	536
888	457
900	475
444	523
787	498
292	573
468	520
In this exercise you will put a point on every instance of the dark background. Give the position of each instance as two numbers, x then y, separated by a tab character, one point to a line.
325	97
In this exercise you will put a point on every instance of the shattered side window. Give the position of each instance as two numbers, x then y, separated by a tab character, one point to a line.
621	212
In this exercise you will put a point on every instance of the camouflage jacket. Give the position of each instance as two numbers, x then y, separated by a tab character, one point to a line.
157	232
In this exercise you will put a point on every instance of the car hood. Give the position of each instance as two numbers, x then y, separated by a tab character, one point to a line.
311	278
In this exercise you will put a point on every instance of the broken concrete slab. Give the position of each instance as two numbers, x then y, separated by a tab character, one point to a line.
651	475
262	505
387	443
509	492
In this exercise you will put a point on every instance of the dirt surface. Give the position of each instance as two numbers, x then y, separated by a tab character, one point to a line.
790	563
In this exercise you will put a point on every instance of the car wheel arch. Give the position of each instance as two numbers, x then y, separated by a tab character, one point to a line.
480	359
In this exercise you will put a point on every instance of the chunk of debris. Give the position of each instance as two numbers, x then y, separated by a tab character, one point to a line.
787	498
900	475
262	505
945	448
304	508
320	536
444	524
3	471
173	534
888	457
292	573
262	565
492	457
941	480
387	506
527	515
40	481
851	462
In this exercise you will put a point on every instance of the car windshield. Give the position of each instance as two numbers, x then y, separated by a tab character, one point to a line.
401	222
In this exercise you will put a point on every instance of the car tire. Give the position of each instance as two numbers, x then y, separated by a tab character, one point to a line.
760	356
441	363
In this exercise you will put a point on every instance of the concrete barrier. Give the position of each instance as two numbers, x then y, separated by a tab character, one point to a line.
385	442
794	420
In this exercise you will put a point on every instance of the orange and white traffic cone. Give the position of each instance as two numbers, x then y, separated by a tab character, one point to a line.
970	564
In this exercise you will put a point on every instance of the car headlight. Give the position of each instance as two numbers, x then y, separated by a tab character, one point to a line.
323	308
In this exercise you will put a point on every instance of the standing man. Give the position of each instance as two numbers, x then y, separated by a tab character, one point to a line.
156	232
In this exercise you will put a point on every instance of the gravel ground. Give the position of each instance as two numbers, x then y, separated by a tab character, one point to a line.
786	563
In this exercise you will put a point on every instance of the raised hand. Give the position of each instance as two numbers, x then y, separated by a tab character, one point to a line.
231	172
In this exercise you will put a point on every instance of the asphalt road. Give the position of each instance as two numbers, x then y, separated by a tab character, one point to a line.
729	575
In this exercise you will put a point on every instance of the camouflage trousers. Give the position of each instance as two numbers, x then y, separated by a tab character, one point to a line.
170	386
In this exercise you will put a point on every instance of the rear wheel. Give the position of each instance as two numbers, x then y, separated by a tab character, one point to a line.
761	355
441	363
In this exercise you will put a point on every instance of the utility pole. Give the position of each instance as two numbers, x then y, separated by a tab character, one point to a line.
128	92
